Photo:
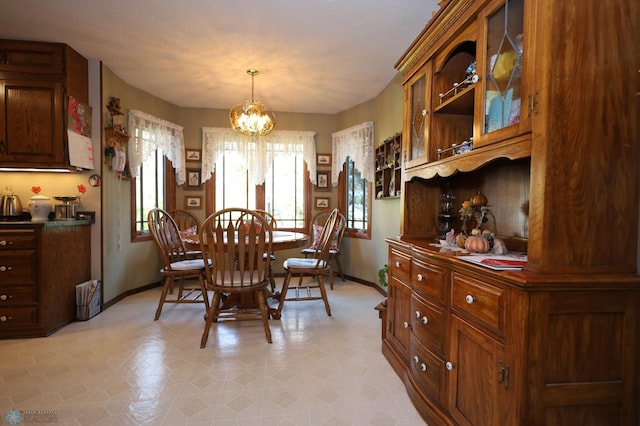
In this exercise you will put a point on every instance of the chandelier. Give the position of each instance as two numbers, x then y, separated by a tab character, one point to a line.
251	117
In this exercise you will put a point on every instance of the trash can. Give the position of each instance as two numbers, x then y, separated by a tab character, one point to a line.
88	298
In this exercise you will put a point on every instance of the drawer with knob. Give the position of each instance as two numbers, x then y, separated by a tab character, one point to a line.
16	296
483	302
428	370
428	324
18	268
17	239
18	317
399	265
429	281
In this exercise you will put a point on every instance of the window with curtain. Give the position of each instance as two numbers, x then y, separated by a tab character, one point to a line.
157	162
353	171
357	200
272	172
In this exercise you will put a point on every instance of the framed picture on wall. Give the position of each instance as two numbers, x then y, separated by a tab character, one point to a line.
322	202
323	159
193	155
192	201
323	180
193	179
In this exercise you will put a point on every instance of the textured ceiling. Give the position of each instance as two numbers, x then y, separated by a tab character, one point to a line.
321	56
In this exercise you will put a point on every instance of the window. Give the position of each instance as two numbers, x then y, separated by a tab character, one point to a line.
156	155
353	159
150	190
356	193
282	194
272	172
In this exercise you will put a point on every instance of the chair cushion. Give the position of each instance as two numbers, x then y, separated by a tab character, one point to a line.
189	232
302	263
317	234
310	250
188	265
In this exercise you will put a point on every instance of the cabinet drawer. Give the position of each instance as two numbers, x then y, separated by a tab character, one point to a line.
18	267
429	281
13	296
399	265
18	317
428	371
482	301
427	323
17	240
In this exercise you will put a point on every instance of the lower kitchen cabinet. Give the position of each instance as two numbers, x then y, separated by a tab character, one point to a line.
40	265
486	347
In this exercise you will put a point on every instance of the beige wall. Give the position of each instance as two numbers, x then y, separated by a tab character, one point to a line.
362	258
126	265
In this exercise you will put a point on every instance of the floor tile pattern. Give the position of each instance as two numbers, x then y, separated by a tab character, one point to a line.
123	368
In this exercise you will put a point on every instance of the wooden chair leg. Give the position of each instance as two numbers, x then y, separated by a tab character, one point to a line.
211	315
331	276
283	292
323	291
203	289
262	304
168	281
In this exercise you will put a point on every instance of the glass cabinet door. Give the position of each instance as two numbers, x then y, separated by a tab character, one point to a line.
417	103
503	66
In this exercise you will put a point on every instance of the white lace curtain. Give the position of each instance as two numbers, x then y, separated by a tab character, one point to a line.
258	153
148	133
355	142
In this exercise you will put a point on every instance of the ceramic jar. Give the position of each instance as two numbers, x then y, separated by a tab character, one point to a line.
39	207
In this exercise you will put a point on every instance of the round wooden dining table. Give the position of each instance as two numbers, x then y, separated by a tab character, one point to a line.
282	240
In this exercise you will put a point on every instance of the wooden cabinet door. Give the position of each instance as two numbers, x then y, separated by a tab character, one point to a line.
477	376
399	317
31	120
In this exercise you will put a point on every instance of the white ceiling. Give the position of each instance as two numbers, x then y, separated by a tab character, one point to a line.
321	56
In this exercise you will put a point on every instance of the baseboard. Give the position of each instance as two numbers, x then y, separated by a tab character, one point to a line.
129	293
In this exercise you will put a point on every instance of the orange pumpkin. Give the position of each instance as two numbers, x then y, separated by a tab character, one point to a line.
476	244
479	200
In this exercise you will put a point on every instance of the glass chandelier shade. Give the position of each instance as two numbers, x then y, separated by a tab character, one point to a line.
251	117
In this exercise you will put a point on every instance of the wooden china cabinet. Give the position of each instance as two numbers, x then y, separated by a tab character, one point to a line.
534	103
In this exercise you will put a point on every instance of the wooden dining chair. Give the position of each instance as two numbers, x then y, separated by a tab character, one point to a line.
315	230
187	222
236	240
317	266
178	265
274	226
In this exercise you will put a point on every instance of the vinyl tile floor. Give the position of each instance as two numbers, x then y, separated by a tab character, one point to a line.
123	368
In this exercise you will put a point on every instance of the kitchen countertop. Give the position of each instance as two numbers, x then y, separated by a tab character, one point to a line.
46	224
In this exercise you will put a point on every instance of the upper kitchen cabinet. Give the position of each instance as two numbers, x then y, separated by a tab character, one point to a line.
35	79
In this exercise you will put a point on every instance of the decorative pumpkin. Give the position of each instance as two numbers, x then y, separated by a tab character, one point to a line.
476	244
460	240
479	200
